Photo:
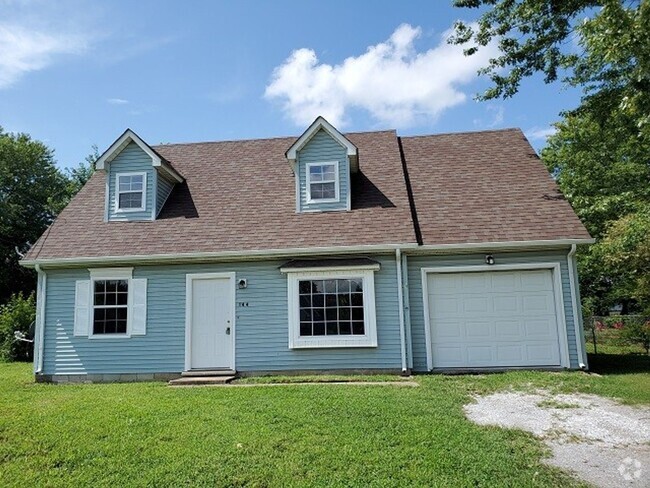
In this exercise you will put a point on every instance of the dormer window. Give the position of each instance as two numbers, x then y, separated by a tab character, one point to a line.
323	182
131	191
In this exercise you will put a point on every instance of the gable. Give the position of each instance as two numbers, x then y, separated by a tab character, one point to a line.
322	148
131	160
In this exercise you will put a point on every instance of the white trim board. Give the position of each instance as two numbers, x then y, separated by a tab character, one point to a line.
555	267
189	278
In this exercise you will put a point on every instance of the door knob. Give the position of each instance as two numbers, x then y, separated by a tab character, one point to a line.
227	330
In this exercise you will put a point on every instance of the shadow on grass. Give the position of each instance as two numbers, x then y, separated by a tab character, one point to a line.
619	363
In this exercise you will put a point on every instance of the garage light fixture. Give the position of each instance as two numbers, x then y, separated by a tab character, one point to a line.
489	259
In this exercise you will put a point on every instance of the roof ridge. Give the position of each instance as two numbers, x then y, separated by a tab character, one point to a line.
275	138
506	129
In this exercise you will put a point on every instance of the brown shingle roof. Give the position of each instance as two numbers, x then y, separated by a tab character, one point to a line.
485	187
240	196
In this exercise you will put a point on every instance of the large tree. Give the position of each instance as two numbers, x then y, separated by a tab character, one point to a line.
600	154
32	192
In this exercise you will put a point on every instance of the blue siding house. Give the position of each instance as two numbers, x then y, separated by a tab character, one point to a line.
327	252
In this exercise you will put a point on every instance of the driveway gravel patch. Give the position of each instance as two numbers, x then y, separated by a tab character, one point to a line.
603	442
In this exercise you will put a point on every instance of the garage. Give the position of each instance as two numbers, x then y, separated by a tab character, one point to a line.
497	318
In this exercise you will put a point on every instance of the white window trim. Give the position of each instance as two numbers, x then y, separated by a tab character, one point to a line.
143	205
369	339
309	182
100	274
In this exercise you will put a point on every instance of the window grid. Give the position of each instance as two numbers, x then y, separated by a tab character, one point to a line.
110	306
130	191
322	181
331	307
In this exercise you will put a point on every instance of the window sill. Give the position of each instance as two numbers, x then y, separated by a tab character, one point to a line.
324	200
129	210
332	343
109	336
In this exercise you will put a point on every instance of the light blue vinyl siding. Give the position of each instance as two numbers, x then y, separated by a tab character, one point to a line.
131	159
261	325
322	148
416	263
165	187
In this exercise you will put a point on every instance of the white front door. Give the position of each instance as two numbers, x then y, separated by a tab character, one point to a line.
211	330
493	319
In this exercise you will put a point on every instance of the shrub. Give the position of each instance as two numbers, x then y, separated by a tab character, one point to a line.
637	331
18	314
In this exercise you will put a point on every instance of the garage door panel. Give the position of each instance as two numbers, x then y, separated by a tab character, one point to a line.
478	329
493	319
542	302
508	330
480	354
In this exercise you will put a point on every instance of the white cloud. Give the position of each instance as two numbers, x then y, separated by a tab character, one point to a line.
117	101
23	50
392	81
540	133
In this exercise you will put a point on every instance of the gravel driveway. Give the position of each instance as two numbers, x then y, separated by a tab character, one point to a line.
603	442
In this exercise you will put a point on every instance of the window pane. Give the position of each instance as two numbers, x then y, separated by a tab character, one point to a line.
332	328
357	328
357	299
331	314
130	200
304	287
345	328
305	329
121	327
305	315
318	300
329	190
319	328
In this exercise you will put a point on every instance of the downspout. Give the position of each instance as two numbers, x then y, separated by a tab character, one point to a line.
575	302
40	323
400	299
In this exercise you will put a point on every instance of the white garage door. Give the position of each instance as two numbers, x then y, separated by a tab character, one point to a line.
493	319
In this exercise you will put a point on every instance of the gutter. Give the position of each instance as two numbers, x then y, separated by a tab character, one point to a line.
221	255
40	315
400	298
575	305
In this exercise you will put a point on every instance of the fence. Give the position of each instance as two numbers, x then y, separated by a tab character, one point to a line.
617	334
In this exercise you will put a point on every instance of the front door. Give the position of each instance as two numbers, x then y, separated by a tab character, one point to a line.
211	323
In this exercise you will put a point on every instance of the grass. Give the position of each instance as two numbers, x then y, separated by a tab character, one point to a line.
146	434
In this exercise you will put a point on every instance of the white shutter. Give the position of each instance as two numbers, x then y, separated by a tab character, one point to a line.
82	308
138	310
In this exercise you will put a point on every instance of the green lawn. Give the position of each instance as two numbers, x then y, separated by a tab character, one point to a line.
148	434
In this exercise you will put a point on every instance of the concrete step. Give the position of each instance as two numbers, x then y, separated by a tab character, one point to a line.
201	380
199	373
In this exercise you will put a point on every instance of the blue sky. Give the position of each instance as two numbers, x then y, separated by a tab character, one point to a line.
75	73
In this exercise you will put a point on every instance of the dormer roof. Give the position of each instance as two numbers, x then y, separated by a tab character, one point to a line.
124	140
321	124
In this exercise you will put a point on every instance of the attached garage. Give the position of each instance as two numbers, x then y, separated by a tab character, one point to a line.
494	317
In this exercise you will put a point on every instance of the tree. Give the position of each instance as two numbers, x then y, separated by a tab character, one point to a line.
32	192
599	154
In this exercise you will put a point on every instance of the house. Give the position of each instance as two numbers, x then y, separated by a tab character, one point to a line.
329	252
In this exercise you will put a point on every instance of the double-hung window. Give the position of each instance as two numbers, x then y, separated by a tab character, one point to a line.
332	308
323	182
130	191
110	306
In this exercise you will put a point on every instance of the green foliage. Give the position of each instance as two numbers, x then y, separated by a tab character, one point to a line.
599	154
637	332
17	315
32	192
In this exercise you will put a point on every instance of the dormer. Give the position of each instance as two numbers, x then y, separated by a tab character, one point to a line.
323	160
138	179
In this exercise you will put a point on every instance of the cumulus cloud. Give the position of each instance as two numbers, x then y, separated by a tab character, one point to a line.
392	81
23	50
540	133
